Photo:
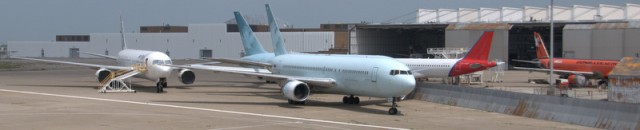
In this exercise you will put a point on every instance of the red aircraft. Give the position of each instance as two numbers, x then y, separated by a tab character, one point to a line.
575	70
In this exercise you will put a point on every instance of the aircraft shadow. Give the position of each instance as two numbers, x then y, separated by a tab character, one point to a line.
310	103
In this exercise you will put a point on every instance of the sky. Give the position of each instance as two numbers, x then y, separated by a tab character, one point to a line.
41	20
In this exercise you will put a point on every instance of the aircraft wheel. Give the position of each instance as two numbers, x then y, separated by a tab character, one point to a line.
356	100
345	100
164	84
393	111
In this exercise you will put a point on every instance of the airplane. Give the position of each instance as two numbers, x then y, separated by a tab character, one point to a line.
575	70
300	74
475	60
152	61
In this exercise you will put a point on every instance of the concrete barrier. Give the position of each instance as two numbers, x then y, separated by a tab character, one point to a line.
592	113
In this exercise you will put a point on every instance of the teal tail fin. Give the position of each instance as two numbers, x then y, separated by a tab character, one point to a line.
276	37
251	44
124	43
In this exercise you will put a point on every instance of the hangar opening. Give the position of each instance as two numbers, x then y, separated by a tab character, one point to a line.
397	40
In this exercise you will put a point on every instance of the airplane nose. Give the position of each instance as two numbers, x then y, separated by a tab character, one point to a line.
406	85
165	70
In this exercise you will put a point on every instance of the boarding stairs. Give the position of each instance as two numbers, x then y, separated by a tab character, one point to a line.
115	81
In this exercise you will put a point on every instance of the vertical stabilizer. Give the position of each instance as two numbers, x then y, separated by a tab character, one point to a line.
251	44
480	51
124	43
276	37
541	50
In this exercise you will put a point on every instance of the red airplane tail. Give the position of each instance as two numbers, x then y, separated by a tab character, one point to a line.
478	57
480	51
541	50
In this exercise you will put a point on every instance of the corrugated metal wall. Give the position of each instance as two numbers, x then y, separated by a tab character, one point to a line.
607	44
577	43
610	41
180	45
466	37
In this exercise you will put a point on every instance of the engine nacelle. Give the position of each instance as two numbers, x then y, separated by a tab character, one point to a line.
102	74
296	90
577	80
186	76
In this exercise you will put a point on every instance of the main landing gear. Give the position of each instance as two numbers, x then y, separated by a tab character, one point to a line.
160	85
393	110
350	100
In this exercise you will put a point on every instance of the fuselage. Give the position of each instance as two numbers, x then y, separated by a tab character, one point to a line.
429	67
354	75
597	66
445	67
152	59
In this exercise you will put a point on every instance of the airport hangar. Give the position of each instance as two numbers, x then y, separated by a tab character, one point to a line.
603	32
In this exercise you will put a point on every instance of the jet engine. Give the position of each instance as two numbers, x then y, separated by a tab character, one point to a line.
186	76
577	80
296	90
102	74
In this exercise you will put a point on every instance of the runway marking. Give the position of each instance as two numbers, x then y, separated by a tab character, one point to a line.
253	126
203	109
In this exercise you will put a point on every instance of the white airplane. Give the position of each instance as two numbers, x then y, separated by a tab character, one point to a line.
299	74
475	60
153	61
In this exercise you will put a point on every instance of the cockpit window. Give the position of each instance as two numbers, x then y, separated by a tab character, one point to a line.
168	62
399	72
158	62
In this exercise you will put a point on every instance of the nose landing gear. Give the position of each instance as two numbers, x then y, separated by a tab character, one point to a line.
160	85
393	110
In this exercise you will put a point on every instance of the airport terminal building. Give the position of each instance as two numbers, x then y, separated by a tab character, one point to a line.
588	32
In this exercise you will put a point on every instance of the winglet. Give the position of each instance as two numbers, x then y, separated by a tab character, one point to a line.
276	37
480	51
124	43
541	50
251	44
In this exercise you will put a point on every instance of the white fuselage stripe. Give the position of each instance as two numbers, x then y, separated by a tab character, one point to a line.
202	109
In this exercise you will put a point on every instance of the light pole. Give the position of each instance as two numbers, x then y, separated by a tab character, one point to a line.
552	89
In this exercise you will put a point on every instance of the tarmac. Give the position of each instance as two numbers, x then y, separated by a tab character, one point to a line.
63	97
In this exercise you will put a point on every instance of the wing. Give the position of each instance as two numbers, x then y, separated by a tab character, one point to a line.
93	66
241	62
527	61
555	71
100	55
265	74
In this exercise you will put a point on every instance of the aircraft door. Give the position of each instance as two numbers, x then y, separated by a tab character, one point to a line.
374	74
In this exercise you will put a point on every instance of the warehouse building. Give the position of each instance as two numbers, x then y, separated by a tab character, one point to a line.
179	42
590	32
579	32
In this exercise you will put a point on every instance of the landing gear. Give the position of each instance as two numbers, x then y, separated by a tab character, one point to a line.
393	110
350	100
160	85
292	102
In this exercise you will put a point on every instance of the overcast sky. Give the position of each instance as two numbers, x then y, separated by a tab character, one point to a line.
41	20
